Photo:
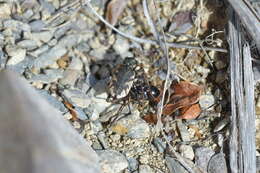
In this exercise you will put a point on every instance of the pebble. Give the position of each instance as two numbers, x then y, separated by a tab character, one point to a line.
159	144
145	169
49	76
186	151
80	113
133	126
27	44
103	140
133	163
50	56
174	166
202	157
121	46
184	133
43	36
217	164
112	161
20	67
39	51
70	77
77	98
37	25
16	25
16	55
53	101
206	101
220	125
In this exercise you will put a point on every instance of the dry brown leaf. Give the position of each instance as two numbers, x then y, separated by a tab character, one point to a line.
114	10
185	88
190	112
150	118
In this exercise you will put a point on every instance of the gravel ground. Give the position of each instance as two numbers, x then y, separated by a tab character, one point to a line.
68	55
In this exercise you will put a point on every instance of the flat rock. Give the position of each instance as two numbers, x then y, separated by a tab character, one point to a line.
184	133
27	44
202	157
50	56
50	75
112	161
53	101
174	166
77	98
217	164
16	55
145	169
159	144
206	101
186	151
132	125
70	77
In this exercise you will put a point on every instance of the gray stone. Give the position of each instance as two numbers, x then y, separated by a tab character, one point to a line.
49	57
159	144
70	40
27	44
217	164
186	151
61	31
134	125
47	6
103	140
220	125
112	161
121	46
70	77
50	75
16	25
53	101
39	51
202	157
76	64
145	169
43	36
16	55
77	98
133	164
80	113
174	166
20	67
37	25
206	101
184	133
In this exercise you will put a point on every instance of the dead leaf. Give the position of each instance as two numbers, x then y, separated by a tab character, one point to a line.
150	118
181	22
114	10
190	112
185	88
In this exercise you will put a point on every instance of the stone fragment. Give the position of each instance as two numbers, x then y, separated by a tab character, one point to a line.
206	101
37	25
184	133
174	166
145	169
5	10
202	157
186	151
49	76
16	55
159	144
50	56
53	101
77	98
217	164
112	161
133	164
27	44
